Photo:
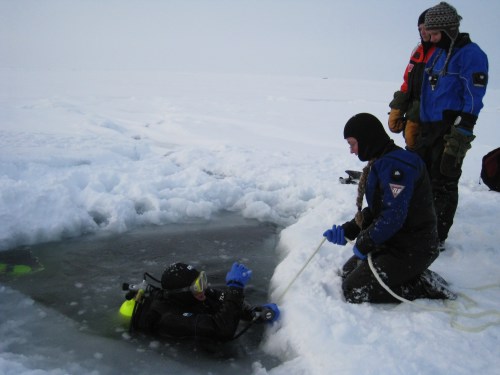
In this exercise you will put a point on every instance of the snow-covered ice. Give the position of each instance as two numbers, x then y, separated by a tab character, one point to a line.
91	150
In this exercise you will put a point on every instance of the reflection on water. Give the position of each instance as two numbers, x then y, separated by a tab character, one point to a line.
82	279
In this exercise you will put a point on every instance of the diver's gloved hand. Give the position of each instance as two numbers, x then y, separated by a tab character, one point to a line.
267	313
358	253
238	276
336	235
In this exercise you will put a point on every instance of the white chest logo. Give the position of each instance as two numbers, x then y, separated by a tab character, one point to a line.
396	189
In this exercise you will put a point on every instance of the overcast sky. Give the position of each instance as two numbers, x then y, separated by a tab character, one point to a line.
364	39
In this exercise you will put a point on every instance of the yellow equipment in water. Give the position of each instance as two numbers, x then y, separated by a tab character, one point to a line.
127	307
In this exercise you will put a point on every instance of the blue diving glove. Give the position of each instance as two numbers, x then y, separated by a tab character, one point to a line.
336	235
238	276
358	253
267	313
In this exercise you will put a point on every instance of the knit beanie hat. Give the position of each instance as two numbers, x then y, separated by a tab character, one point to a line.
370	134
443	17
421	18
178	275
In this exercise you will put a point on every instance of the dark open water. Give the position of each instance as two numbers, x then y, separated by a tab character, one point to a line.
78	294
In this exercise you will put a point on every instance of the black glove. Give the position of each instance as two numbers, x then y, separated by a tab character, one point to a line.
266	313
457	143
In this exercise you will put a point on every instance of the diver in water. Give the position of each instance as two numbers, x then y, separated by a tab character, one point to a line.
184	305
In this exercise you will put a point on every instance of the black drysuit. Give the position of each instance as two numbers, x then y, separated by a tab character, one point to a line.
181	315
399	230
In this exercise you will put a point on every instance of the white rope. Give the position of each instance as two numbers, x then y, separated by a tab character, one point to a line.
452	311
302	269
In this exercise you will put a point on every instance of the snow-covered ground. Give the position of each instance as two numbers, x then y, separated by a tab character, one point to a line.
90	150
126	149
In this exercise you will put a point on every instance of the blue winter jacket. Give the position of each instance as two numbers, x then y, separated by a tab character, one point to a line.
400	213
459	90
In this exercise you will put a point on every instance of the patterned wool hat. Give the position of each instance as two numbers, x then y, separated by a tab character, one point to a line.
443	17
421	18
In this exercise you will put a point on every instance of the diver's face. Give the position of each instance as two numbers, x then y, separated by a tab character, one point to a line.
200	296
353	145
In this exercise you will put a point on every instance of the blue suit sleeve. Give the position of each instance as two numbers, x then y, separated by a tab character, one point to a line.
474	74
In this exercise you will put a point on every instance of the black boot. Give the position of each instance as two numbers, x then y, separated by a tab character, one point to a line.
435	286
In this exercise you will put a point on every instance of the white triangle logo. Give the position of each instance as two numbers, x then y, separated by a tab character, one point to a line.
396	189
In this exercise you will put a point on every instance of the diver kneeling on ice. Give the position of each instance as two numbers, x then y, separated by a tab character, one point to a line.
397	229
184	305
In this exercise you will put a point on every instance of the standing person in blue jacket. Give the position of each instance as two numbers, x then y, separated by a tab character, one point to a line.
398	227
453	88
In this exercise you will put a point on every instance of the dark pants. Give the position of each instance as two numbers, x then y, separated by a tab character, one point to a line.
400	272
444	189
